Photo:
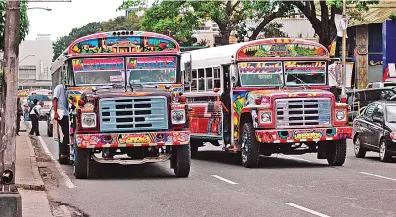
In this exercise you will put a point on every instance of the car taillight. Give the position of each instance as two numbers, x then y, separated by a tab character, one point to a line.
393	135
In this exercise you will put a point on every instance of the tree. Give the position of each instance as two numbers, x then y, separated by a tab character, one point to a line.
181	17
321	15
119	23
171	18
24	28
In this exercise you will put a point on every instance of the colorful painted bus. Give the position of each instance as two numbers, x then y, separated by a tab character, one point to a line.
277	96
124	89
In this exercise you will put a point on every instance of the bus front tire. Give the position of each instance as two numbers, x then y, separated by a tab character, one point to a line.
181	156
250	148
336	152
82	163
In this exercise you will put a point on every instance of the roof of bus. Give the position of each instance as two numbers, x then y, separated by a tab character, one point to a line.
122	42
258	50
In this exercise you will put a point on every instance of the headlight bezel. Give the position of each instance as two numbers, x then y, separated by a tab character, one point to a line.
92	116
265	114
182	119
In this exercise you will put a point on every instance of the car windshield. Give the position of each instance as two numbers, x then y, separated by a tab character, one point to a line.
311	73
391	113
151	69
39	97
260	73
389	84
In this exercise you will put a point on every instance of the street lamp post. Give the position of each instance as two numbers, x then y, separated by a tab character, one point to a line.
30	55
40	8
344	33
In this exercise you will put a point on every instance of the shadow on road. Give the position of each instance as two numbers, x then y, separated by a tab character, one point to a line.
273	162
144	171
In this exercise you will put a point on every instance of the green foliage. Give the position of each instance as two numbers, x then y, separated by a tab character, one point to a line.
131	23
166	18
24	22
392	16
321	14
179	18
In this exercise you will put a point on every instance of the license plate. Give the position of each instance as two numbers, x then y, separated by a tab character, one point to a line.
307	134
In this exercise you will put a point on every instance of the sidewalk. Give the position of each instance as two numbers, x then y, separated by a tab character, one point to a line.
28	180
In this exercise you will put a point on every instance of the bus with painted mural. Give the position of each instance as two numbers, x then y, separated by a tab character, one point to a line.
264	97
123	89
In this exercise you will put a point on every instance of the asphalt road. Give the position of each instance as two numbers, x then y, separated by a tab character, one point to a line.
219	186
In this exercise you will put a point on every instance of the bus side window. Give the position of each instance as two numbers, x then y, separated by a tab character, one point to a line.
194	81
201	80
209	79
216	77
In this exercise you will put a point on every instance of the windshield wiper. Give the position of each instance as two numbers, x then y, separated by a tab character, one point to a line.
297	78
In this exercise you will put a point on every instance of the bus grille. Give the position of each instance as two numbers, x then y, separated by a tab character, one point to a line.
303	112
133	114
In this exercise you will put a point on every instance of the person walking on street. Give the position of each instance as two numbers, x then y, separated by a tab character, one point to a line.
61	116
225	99
19	113
34	117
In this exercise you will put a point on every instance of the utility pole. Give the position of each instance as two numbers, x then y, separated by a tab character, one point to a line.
344	33
9	96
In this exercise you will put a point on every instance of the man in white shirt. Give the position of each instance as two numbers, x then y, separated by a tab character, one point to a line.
34	117
61	115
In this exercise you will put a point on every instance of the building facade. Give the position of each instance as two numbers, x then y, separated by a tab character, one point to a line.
35	58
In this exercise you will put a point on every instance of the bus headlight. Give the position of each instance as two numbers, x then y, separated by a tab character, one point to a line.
340	115
88	120
178	116
265	117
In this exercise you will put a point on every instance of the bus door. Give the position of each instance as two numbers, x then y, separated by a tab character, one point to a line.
203	99
226	102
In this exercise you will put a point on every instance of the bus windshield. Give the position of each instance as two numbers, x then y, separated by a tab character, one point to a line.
260	73
151	69
299	73
99	77
98	71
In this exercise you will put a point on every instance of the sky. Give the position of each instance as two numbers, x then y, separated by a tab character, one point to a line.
67	15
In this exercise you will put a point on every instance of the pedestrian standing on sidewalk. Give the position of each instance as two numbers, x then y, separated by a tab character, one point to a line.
34	117
19	113
61	117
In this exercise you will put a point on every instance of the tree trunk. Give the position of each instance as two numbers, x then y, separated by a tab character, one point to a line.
10	89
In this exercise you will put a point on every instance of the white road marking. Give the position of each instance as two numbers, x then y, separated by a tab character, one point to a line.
225	180
66	179
296	158
378	176
307	210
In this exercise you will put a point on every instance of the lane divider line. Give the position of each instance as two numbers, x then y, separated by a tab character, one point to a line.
225	180
307	210
296	158
378	176
65	178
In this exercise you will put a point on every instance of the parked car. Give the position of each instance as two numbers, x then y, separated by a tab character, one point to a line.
381	84
41	98
365	97
375	130
49	123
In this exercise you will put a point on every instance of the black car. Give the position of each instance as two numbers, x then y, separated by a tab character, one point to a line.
375	130
365	97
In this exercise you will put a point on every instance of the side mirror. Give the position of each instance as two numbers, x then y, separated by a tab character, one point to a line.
378	120
234	76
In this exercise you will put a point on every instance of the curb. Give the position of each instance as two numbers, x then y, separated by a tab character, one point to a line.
39	183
